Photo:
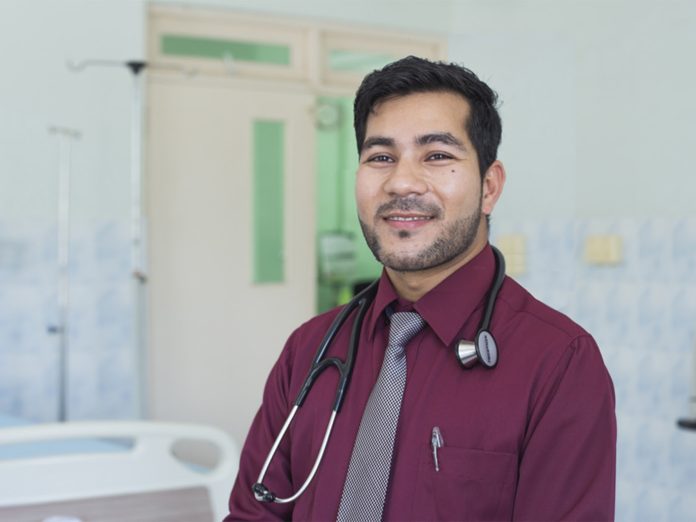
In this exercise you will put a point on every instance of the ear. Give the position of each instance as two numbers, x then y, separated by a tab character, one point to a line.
492	187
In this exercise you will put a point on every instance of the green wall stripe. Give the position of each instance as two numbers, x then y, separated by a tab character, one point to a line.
269	156
218	49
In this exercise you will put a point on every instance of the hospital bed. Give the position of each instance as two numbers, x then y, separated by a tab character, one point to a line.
112	471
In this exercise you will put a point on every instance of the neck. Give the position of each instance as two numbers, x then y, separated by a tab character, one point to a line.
415	284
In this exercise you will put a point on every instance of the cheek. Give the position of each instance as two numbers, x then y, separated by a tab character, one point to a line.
365	196
460	199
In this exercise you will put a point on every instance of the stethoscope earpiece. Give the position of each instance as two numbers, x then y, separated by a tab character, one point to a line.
483	350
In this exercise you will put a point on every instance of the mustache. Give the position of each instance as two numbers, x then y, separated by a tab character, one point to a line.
407	205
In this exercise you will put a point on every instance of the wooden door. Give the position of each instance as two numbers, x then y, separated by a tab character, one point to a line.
221	303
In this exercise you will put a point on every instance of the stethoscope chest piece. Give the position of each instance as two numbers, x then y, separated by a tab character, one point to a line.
483	349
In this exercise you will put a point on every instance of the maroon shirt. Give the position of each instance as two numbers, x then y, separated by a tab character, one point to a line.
532	439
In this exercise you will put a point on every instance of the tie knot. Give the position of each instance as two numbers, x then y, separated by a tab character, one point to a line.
404	325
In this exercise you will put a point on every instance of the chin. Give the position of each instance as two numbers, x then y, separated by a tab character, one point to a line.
403	263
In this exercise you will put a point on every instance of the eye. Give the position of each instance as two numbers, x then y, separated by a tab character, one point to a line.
379	158
439	156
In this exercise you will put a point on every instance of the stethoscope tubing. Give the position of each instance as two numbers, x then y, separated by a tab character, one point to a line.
495	288
263	491
361	301
345	367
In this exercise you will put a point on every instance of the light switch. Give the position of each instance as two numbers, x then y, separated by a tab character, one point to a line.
603	249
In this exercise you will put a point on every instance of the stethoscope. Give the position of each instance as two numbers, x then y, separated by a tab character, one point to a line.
482	349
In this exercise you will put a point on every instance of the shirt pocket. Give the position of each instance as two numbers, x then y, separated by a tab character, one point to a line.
471	485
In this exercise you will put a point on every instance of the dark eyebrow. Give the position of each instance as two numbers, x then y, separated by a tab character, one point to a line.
377	141
440	137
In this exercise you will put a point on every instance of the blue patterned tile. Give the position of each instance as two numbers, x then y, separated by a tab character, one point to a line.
654	255
682	459
684	251
681	507
626	499
100	320
651	505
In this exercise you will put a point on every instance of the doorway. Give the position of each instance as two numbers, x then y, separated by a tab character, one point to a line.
246	170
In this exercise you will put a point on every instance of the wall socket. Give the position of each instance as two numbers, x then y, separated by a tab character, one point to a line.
603	249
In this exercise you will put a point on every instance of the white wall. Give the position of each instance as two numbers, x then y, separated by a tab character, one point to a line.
598	108
37	38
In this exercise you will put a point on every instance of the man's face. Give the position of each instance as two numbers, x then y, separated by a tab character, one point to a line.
418	186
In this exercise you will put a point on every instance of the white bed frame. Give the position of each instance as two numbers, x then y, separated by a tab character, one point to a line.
144	482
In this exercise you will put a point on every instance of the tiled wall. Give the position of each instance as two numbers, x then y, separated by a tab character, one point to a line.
102	360
642	313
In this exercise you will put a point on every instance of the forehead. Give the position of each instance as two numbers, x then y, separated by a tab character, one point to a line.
419	113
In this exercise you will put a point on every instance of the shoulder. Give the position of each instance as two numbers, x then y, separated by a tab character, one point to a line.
304	340
556	358
541	342
317	325
521	310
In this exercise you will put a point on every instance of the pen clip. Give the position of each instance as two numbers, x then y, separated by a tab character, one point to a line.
436	441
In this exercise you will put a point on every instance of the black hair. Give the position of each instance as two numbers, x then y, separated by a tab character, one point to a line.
413	75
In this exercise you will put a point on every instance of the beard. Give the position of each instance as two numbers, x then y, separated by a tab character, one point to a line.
455	239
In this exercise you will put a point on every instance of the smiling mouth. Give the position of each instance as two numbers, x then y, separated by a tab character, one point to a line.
408	213
408	218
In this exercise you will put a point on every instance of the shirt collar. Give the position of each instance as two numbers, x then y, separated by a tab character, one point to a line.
448	306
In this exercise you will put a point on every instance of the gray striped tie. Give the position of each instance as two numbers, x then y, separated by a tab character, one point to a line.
370	463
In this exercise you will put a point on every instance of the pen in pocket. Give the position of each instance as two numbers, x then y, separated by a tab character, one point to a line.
436	441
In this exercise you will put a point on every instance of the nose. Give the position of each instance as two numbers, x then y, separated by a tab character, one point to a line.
406	178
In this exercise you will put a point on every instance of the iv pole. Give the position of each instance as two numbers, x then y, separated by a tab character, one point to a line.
138	262
138	271
65	138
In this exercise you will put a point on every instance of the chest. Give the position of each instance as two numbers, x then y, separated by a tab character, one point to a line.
481	415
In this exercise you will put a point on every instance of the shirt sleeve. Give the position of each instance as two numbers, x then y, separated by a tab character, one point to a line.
264	429
568	464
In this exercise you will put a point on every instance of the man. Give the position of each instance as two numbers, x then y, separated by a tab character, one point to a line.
531	439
